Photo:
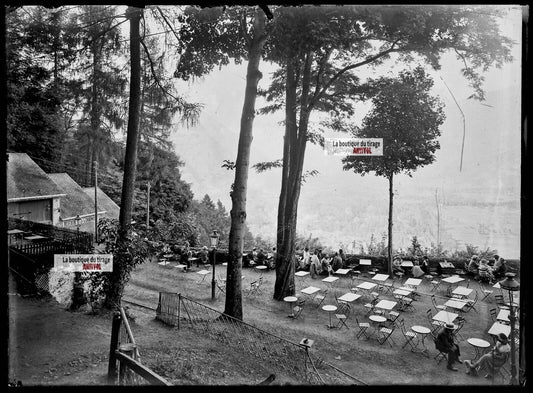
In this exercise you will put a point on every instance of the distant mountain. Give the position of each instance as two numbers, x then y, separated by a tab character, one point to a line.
479	204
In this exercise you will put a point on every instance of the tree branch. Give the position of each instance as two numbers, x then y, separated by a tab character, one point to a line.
168	23
242	22
350	67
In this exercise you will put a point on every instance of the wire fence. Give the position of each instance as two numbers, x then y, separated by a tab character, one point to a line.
278	353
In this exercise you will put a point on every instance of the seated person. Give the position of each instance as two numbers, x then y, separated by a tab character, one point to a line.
271	259
496	358
500	270
473	266
202	256
444	342
326	265
261	257
397	265
336	264
306	260
185	257
315	267
484	271
417	271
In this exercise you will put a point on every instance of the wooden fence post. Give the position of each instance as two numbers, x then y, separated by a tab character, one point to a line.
115	331
125	373
179	309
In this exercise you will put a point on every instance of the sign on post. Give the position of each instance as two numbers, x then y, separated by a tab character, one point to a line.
83	262
353	146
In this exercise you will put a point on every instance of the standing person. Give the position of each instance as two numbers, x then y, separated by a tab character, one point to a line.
314	265
424	265
184	257
343	257
445	343
306	260
496	358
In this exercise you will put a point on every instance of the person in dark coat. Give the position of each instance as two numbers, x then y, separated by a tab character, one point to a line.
446	343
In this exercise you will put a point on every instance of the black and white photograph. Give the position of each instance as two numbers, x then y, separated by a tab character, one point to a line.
275	195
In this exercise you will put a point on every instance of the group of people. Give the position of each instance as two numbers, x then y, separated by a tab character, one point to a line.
489	270
420	267
489	362
321	263
255	257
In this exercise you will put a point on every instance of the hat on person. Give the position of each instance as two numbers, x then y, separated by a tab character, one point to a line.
204	247
450	326
502	338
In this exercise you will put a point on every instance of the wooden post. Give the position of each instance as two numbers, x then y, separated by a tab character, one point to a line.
148	207
115	331
130	350
179	309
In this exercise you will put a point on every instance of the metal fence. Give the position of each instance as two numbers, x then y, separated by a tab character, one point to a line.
278	353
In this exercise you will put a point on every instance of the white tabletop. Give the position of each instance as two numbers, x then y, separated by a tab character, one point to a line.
367	262
260	267
453	279
35	237
164	263
329	308
203	272
367	285
377	318
407	264
413	281
477	342
342	271
330	279
454	303
497	285
445	316
380	277
498	327
290	299
301	273
463	291
420	329
503	315
14	231
178	266
349	297
401	292
310	290
408	289
386	304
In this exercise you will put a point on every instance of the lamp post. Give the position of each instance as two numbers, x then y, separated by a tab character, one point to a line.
77	219
214	242
511	285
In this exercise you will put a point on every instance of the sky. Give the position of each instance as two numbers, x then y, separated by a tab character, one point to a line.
490	171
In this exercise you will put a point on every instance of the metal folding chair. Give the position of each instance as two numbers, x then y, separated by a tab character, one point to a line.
438	307
386	335
435	285
299	308
320	297
409	335
363	327
342	318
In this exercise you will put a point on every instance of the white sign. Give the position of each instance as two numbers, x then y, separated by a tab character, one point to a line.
353	146
83	262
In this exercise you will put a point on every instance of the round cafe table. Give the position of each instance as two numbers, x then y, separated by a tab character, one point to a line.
260	268
423	332
330	309
377	319
290	300
478	345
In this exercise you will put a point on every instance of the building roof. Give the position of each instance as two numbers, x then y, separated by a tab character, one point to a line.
26	180
76	202
104	202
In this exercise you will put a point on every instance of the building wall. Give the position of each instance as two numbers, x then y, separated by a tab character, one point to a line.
39	210
56	211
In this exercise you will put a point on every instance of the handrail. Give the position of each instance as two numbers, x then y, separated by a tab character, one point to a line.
141	370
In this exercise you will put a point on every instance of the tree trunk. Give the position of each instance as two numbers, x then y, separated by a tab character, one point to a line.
130	160
293	158
389	248
233	306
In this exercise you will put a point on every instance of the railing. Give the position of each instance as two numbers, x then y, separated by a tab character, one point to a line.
63	239
285	356
124	351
